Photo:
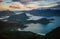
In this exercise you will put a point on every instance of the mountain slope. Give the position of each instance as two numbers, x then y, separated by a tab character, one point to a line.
20	35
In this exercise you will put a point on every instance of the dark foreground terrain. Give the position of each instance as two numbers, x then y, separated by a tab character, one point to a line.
54	34
4	34
20	35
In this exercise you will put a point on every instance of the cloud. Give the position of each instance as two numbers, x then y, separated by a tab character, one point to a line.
34	4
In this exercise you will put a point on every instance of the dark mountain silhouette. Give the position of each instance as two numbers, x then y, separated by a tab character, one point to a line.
54	34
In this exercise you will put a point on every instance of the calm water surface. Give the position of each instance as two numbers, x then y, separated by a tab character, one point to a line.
40	28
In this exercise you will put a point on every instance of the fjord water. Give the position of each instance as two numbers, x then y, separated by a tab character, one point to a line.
44	29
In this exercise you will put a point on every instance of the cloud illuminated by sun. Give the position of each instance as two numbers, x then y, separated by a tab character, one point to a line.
30	6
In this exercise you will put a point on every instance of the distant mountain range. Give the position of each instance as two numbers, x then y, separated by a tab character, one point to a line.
46	12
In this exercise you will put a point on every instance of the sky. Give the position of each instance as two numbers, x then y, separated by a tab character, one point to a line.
41	2
33	4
